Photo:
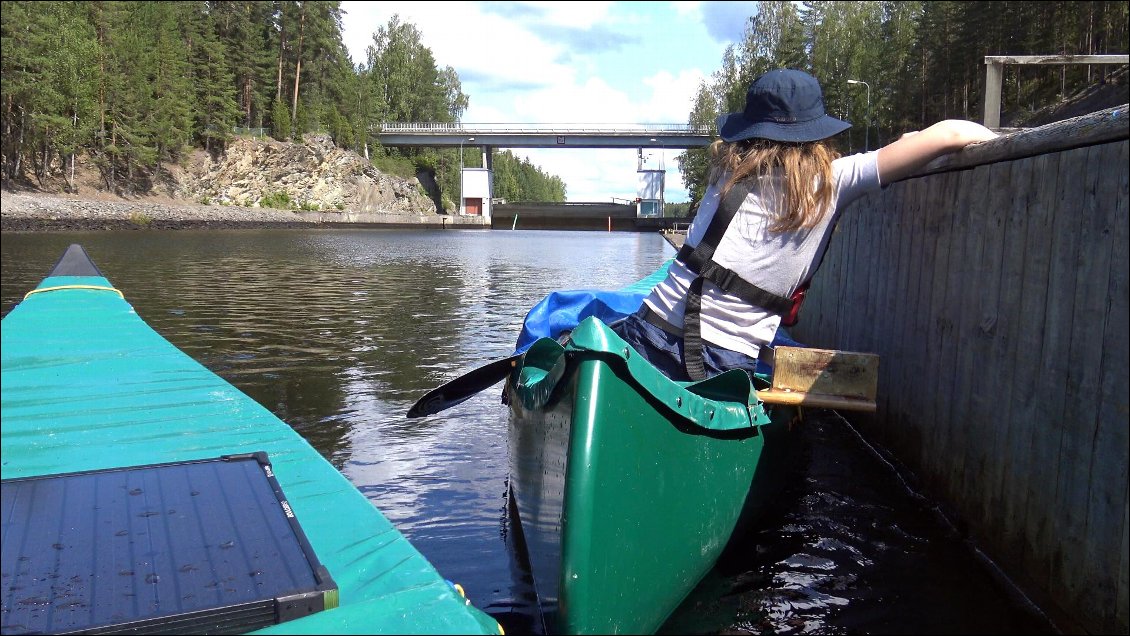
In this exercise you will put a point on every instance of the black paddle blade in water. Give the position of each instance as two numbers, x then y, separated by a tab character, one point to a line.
465	386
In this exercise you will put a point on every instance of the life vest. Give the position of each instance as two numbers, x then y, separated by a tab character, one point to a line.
699	260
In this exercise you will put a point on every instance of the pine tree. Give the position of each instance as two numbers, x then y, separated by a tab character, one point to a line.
280	121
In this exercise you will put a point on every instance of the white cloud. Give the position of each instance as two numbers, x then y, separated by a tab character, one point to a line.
568	62
672	96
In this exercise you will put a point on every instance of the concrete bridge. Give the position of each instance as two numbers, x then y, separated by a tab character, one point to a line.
457	135
477	184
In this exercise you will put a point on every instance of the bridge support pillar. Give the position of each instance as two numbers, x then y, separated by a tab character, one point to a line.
477	187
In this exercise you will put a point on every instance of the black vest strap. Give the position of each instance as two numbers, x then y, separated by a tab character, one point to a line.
692	333
700	260
730	282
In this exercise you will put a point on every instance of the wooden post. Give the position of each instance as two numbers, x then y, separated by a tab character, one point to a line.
994	76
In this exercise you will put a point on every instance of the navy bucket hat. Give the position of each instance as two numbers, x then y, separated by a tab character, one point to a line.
782	105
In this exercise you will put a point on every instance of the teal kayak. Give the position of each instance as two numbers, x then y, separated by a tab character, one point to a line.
89	388
627	486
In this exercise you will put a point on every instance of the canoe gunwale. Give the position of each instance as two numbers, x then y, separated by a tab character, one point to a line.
723	403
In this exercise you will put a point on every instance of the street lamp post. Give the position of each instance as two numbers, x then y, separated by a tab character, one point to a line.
867	124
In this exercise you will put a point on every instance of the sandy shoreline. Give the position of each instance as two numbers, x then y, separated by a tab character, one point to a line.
36	212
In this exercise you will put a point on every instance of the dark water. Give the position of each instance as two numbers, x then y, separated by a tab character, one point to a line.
339	332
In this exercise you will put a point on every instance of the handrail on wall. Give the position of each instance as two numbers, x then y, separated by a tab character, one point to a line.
994	75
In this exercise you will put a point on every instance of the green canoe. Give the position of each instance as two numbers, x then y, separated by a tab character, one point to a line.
88	388
627	486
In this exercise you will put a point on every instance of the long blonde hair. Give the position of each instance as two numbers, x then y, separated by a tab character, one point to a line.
805	165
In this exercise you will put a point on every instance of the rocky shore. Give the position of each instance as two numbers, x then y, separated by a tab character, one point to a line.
33	212
254	183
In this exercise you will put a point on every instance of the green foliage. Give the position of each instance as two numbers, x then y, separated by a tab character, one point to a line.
923	61
278	199
280	121
341	130
140	218
302	123
134	83
394	164
426	160
310	206
518	180
676	210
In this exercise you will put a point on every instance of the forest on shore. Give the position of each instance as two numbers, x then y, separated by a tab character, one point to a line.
922	62
135	85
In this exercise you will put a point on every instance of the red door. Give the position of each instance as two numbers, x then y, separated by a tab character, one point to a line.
474	206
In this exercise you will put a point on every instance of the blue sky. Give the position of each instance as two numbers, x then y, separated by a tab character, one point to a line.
571	62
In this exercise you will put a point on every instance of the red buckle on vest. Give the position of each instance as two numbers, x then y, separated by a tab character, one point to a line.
793	316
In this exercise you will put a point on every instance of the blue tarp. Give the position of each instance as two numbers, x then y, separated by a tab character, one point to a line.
561	311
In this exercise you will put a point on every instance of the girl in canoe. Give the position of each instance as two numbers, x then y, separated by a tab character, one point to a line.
776	188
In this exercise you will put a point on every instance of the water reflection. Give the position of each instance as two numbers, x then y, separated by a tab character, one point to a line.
338	332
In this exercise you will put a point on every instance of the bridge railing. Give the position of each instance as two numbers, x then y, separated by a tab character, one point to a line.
562	128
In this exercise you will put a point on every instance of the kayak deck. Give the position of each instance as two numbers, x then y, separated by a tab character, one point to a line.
88	385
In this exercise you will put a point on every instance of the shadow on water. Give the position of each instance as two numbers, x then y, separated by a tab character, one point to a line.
847	550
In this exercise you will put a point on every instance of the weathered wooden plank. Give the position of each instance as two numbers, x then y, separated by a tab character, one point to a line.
1011	470
994	77
1112	440
1041	435
839	292
849	298
964	303
1057	333
1106	474
825	371
884	225
1122	612
915	337
971	307
872	235
989	377
939	323
1081	387
1057	59
905	355
1111	124
948	314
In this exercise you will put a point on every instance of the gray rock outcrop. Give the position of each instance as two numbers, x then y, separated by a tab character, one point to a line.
313	175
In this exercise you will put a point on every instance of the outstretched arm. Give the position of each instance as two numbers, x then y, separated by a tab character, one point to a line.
913	151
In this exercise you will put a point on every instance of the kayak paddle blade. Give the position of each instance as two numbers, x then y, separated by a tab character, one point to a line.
463	388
